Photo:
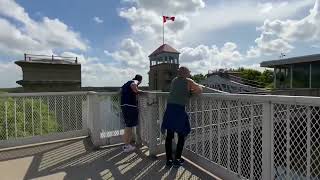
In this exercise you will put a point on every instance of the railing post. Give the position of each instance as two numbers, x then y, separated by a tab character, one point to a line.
266	141
94	119
152	125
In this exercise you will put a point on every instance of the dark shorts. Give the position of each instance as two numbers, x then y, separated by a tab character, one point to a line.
130	115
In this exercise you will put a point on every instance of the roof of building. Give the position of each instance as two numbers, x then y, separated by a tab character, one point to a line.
293	60
46	61
164	48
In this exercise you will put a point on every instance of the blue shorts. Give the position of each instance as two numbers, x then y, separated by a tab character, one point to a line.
130	115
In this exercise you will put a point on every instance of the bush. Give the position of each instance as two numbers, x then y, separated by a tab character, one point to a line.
22	118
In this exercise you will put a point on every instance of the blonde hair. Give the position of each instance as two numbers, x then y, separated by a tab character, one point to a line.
183	72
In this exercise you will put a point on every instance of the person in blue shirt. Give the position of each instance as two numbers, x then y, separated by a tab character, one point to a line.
129	107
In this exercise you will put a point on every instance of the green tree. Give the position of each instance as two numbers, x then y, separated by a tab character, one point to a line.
198	77
266	77
24	118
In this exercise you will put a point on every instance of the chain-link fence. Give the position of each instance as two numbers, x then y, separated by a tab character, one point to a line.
28	115
246	135
249	136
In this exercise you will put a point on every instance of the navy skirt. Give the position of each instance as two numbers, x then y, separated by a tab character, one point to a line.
176	119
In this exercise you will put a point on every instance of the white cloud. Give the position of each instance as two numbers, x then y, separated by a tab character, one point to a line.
231	13
31	36
268	45
96	73
147	24
97	20
306	29
277	35
10	73
131	54
171	6
253	52
203	58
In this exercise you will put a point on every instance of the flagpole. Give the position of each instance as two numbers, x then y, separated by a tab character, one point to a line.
162	30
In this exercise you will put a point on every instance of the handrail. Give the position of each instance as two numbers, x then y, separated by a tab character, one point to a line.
35	57
45	94
248	97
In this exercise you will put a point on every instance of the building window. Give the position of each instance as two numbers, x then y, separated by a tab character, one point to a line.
300	75
315	75
282	77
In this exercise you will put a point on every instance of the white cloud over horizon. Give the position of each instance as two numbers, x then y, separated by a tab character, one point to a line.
277	36
29	36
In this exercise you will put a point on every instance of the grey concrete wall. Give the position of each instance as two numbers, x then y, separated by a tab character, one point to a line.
37	72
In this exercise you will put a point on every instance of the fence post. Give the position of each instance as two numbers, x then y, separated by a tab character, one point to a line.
266	141
94	119
152	124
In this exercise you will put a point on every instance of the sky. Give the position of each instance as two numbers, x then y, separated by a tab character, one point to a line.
113	38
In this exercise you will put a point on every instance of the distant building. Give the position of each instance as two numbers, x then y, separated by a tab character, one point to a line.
229	82
50	73
164	63
297	72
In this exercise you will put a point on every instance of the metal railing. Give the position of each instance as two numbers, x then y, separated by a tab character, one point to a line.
234	136
36	117
35	57
246	136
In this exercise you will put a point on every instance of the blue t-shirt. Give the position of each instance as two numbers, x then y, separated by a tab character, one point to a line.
128	96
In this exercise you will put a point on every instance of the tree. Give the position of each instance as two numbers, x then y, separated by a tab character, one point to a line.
264	79
198	77
22	117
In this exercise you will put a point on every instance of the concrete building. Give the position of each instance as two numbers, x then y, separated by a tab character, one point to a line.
164	63
50	73
296	73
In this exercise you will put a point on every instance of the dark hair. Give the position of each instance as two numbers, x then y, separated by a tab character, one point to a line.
138	77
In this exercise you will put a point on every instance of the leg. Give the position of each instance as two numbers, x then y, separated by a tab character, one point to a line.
127	136
180	145
168	144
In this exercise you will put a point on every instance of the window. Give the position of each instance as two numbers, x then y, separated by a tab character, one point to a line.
283	77
300	75
315	75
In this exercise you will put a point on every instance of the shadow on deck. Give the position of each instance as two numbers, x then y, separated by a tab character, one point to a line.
77	160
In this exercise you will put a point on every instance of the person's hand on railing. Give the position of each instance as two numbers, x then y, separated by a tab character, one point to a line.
140	92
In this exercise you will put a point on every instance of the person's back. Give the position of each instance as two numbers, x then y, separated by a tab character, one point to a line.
128	96
179	91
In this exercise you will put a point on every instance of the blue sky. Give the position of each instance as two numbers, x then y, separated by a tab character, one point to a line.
113	38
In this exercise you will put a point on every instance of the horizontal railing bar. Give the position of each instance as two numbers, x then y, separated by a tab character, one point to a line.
45	94
257	98
244	97
39	55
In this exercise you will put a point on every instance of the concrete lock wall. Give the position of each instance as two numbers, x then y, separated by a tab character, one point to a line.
51	72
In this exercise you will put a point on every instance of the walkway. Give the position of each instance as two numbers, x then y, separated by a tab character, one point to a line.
76	160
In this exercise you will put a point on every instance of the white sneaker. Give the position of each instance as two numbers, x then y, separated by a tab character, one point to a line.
128	148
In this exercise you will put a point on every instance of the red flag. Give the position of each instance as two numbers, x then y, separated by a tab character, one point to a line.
165	18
